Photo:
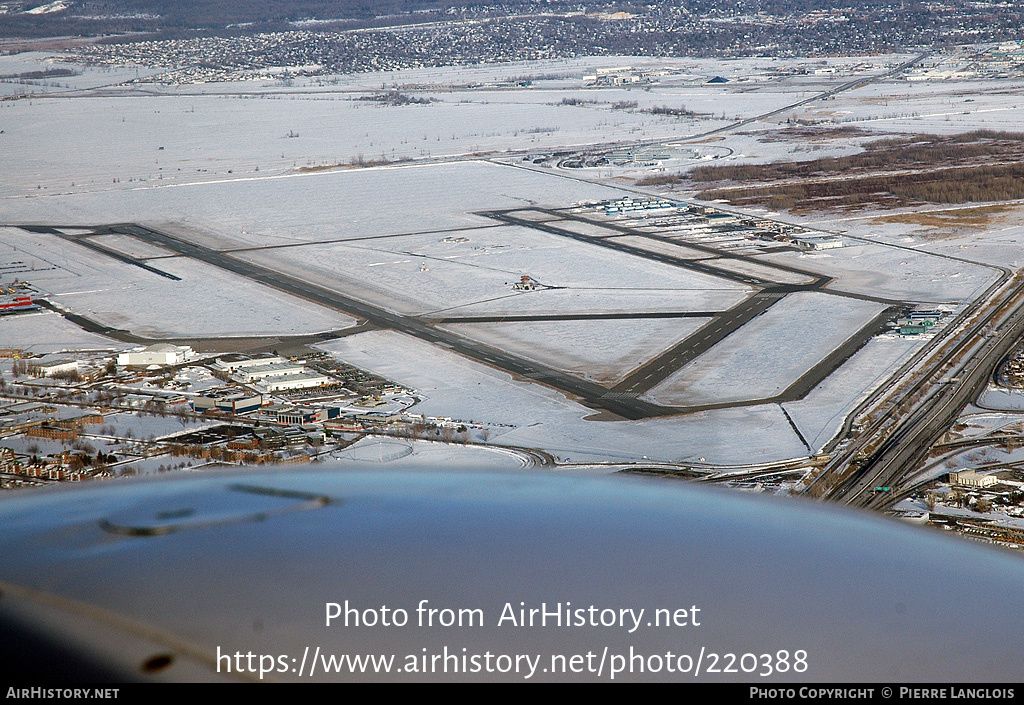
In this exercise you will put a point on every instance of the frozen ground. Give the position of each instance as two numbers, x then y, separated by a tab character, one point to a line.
603	300
48	332
899	274
177	139
972	231
14	66
421	274
1002	399
821	413
142	427
257	210
176	134
933	106
205	302
768	354
661	247
977	424
603	351
131	246
454	386
426	454
215	163
768	273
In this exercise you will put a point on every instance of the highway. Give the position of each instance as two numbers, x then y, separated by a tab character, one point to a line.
900	434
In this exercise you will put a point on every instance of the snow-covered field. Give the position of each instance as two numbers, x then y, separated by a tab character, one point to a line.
1003	399
590	300
604	350
258	210
422	274
48	332
973	232
455	386
131	246
664	248
177	134
223	165
205	302
768	354
14	67
425	454
820	414
898	274
948	106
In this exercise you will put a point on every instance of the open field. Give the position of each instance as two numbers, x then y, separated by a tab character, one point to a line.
586	300
241	169
820	414
257	210
948	222
546	419
422	274
889	173
900	274
602	350
206	301
768	354
48	332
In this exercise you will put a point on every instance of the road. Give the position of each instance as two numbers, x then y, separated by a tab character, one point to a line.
901	434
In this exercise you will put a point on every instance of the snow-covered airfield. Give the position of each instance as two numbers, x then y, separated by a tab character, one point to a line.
386	204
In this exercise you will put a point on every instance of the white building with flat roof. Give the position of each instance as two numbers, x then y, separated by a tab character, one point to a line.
274	369
232	363
972	478
160	354
55	367
299	380
823	241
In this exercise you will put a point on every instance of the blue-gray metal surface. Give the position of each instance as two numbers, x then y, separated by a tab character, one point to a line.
156	578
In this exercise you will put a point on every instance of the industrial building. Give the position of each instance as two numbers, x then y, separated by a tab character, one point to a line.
230	363
918	322
235	401
971	478
290	414
271	373
255	373
298	380
54	367
817	242
630	204
615	76
161	354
